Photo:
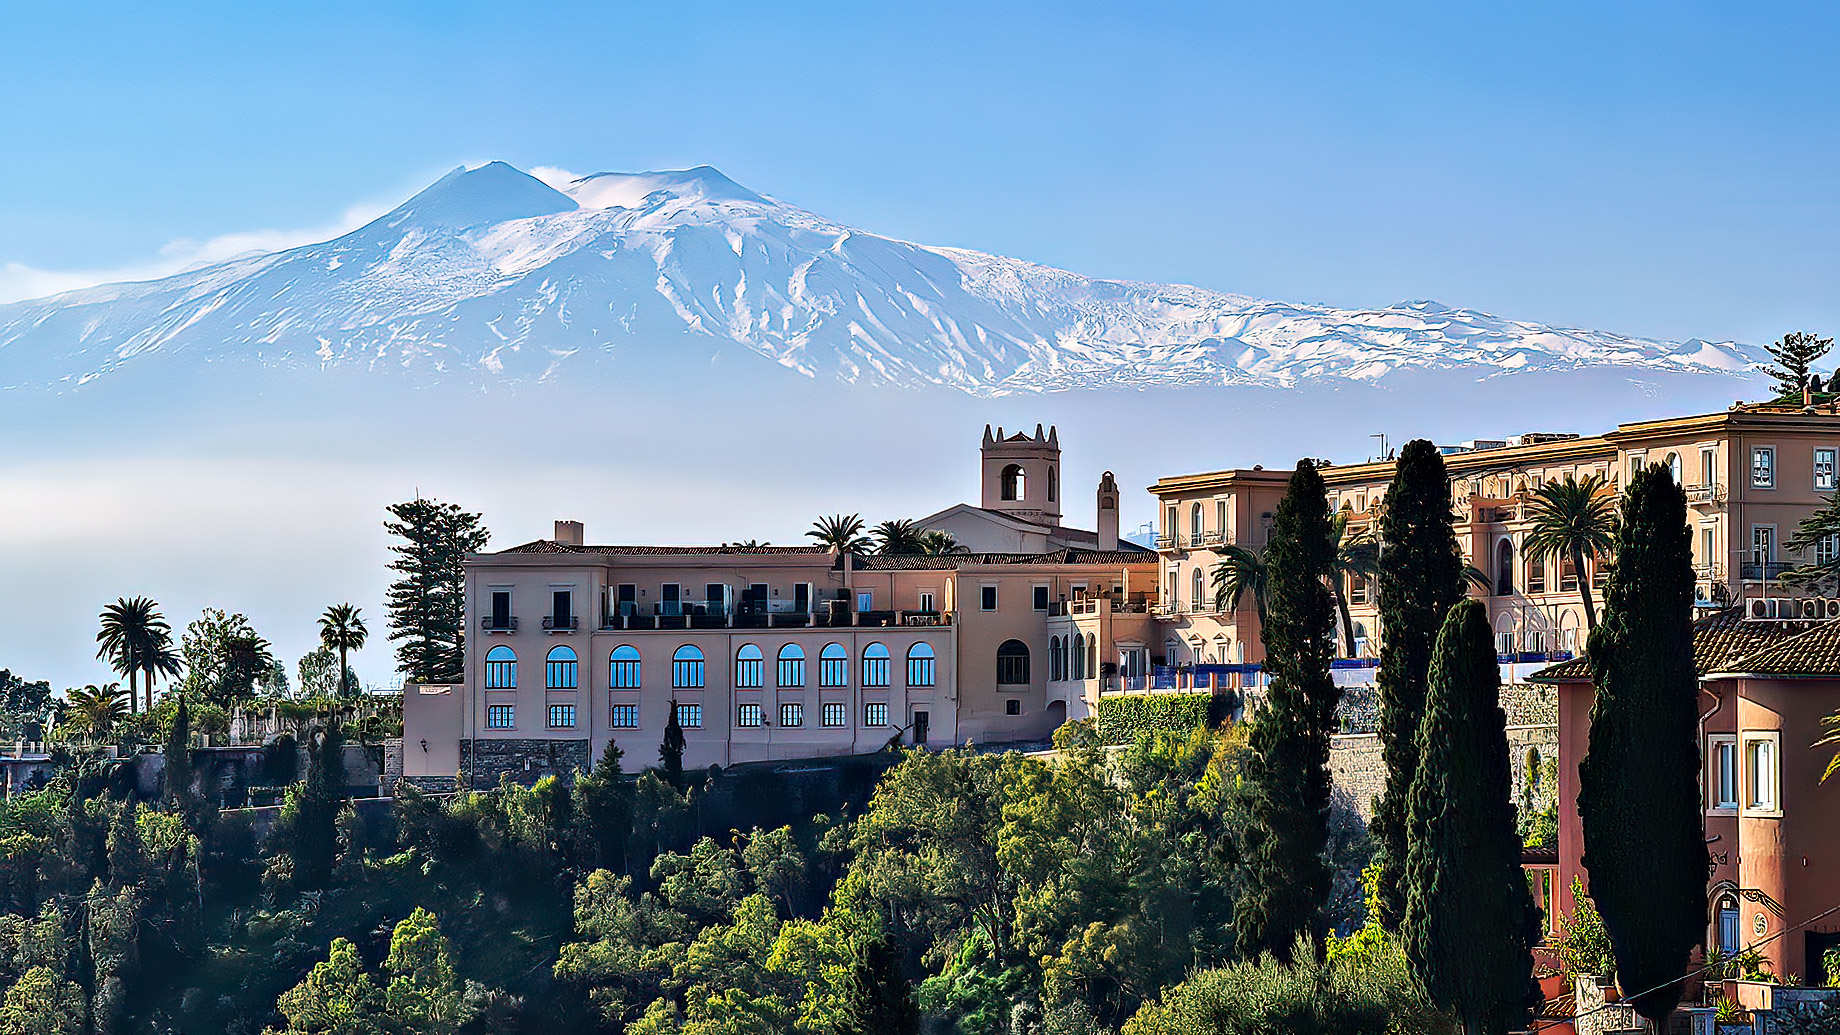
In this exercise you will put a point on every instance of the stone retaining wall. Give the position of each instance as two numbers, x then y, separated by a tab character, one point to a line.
1358	768
524	760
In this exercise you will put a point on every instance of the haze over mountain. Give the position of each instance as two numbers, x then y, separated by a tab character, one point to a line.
492	275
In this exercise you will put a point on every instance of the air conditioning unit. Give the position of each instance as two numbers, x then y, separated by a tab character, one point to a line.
1831	608
1811	608
1787	607
1763	607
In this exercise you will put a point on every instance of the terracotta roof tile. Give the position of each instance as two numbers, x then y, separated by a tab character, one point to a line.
919	562
1726	641
550	546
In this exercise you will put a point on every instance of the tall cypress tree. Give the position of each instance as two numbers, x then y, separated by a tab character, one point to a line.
1420	580
671	750
427	605
1469	920
877	1000
1639	794
1287	777
176	761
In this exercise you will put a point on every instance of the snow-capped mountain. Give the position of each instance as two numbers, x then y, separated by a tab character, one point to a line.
491	273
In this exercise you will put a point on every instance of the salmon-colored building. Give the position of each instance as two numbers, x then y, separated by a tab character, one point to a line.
1772	827
779	652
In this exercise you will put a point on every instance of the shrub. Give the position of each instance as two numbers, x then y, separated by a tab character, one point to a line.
1122	720
1583	946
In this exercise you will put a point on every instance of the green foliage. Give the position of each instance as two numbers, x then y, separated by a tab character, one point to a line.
1469	923
421	994
671	749
1286	879
1366	994
840	533
318	673
1573	520
93	711
1582	945
1639	792
23	706
136	642
41	1002
1240	573
224	658
1419	579
427	602
306	835
1122	719
342	629
898	536
603	808
1814	530
1792	360
176	760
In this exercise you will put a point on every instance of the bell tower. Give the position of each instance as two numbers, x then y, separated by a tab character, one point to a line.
1022	475
1108	512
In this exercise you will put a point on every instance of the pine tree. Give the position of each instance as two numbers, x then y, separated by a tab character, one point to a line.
427	605
1639	794
671	752
1469	921
604	812
1794	357
1420	580
176	760
1286	878
876	999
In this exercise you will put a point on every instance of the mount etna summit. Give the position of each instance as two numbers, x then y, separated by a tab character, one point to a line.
491	274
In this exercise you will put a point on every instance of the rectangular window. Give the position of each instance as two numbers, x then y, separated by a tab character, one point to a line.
749	673
791	715
875	714
1721	772
1824	470
1760	774
1827	549
875	670
561	609
715	598
1041	598
836	714
1012	707
926	601
1763	545
920	671
670	599
1763	467
625	717
561	716
748	715
1708	468
865	601
987	597
1357	590
501	716
1637	461
1220	519
690	716
1708	553
1169	526
501	609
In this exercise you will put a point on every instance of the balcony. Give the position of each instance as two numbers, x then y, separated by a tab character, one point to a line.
1214	539
1197	539
1768	570
498	623
1165	542
560	623
1705	495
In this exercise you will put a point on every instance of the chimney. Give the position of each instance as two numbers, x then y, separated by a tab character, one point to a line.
568	533
1108	512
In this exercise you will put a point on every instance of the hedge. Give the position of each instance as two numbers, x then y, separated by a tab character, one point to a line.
1122	719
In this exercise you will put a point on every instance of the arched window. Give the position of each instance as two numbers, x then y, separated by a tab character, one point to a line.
1536	574
875	665
687	668
1504	567
921	662
1194	525
623	667
1076	657
560	672
501	668
833	665
1054	659
1731	939
1012	663
1054	484
1504	633
1011	483
1673	466
750	665
1092	657
1360	640
1198	587
791	666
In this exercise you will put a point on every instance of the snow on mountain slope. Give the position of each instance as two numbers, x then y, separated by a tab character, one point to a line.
491	273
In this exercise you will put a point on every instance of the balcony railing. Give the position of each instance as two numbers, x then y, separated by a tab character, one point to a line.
1767	570
698	618
561	623
497	624
1165	542
1197	539
1214	539
1705	494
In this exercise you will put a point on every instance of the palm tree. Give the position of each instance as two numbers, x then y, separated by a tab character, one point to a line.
937	542
899	536
1239	572
132	631
840	533
342	629
1572	519
1829	739
162	659
1357	556
246	658
98	708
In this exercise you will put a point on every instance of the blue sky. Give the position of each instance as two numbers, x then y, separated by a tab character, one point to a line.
1665	170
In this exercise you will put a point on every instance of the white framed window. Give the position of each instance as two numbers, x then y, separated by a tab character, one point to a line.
625	717
690	716
748	715
1763	544
1824	470
875	713
1762	754
792	715
1637	461
1198	589
865	600
836	714
1827	549
1708	467
1220	519
1763	467
926	600
1721	772
501	717
561	716
1708	551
